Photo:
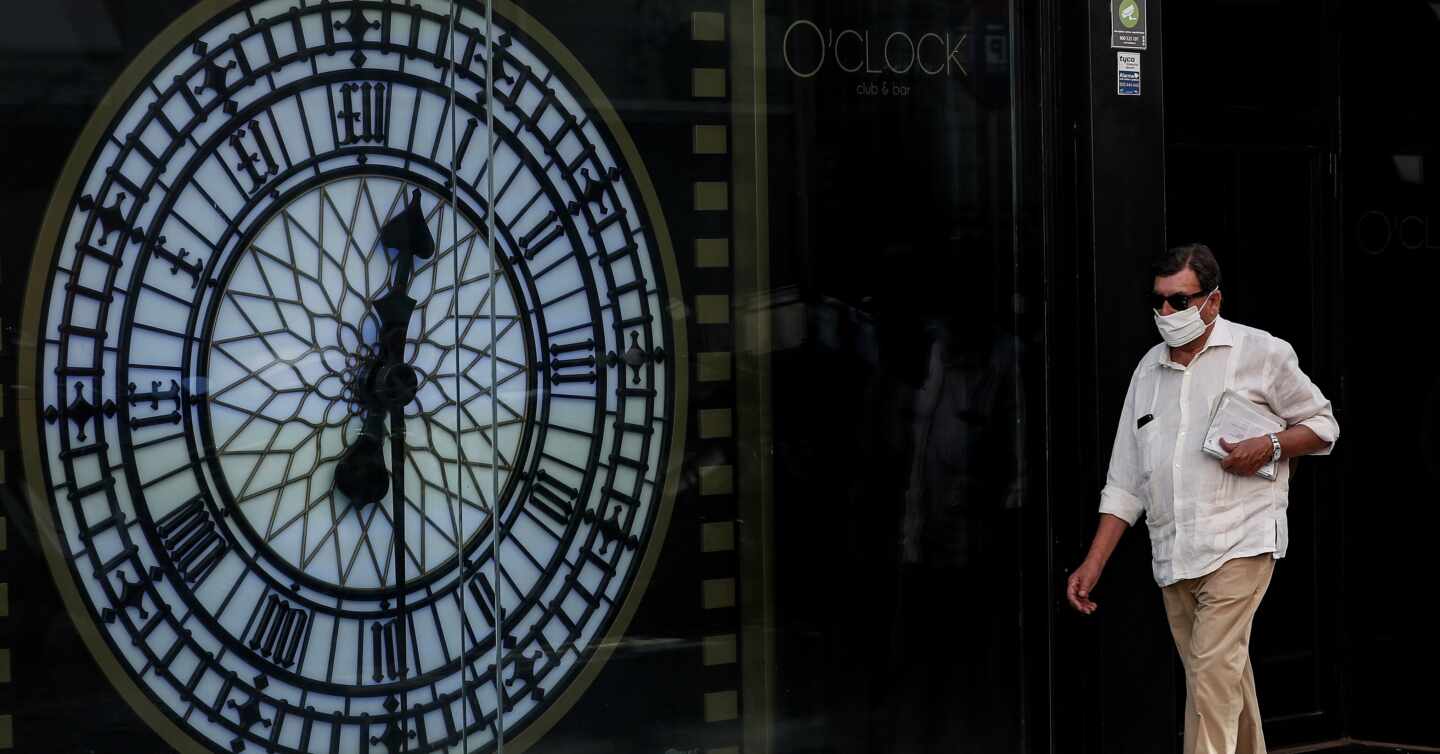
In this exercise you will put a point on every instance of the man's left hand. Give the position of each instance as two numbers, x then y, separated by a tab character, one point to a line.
1246	457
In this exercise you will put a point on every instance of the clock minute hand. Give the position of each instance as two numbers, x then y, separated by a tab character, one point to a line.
409	235
388	386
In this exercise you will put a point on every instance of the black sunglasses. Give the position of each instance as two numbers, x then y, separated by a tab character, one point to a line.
1178	301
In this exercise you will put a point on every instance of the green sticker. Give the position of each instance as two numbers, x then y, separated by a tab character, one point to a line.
1129	14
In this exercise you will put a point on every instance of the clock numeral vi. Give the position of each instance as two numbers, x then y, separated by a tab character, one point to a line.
385	646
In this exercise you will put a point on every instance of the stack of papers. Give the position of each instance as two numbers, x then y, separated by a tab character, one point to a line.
1237	419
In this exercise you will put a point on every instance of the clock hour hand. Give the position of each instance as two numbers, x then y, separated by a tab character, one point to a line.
361	474
388	384
408	235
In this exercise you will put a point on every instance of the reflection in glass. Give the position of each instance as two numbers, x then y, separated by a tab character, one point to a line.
899	409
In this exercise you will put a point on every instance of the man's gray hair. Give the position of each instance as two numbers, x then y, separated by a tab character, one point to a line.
1196	256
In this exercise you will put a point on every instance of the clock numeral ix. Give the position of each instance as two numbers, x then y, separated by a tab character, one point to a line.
154	397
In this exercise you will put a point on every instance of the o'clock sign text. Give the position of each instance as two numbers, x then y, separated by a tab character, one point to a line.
809	49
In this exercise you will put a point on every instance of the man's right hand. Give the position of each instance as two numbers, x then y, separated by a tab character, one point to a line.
1082	581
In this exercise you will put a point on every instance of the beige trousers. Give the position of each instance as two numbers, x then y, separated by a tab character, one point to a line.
1210	618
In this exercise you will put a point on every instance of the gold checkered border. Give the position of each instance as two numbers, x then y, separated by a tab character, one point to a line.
714	316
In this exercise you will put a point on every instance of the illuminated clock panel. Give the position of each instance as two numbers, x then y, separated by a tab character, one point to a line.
215	359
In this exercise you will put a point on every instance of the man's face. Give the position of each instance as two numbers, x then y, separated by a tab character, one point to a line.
1184	283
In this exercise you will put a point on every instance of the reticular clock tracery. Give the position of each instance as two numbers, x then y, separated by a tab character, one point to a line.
292	336
278	290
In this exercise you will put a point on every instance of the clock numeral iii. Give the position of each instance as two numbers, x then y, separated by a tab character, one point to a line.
572	362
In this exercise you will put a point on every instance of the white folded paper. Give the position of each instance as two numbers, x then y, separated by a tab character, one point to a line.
1237	419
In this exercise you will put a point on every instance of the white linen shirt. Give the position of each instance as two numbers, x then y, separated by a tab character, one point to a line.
1200	515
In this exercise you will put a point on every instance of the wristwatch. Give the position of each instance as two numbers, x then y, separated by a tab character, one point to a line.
1275	444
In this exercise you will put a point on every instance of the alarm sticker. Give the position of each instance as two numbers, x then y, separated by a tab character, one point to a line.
1127	83
1127	73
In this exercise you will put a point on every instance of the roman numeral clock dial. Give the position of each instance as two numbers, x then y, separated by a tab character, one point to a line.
356	423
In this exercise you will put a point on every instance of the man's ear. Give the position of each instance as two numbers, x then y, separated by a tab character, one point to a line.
1215	303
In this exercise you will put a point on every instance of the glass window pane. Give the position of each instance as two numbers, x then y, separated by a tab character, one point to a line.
683	332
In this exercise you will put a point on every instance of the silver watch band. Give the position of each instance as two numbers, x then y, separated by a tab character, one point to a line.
1275	444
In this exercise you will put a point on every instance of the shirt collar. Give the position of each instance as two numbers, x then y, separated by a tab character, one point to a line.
1220	335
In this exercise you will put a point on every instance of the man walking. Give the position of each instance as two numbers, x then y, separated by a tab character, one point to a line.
1216	527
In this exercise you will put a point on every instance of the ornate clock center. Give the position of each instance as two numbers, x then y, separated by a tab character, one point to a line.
295	367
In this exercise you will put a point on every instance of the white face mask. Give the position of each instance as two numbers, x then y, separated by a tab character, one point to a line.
1183	326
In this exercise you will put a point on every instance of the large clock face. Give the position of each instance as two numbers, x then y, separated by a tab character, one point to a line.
356	417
